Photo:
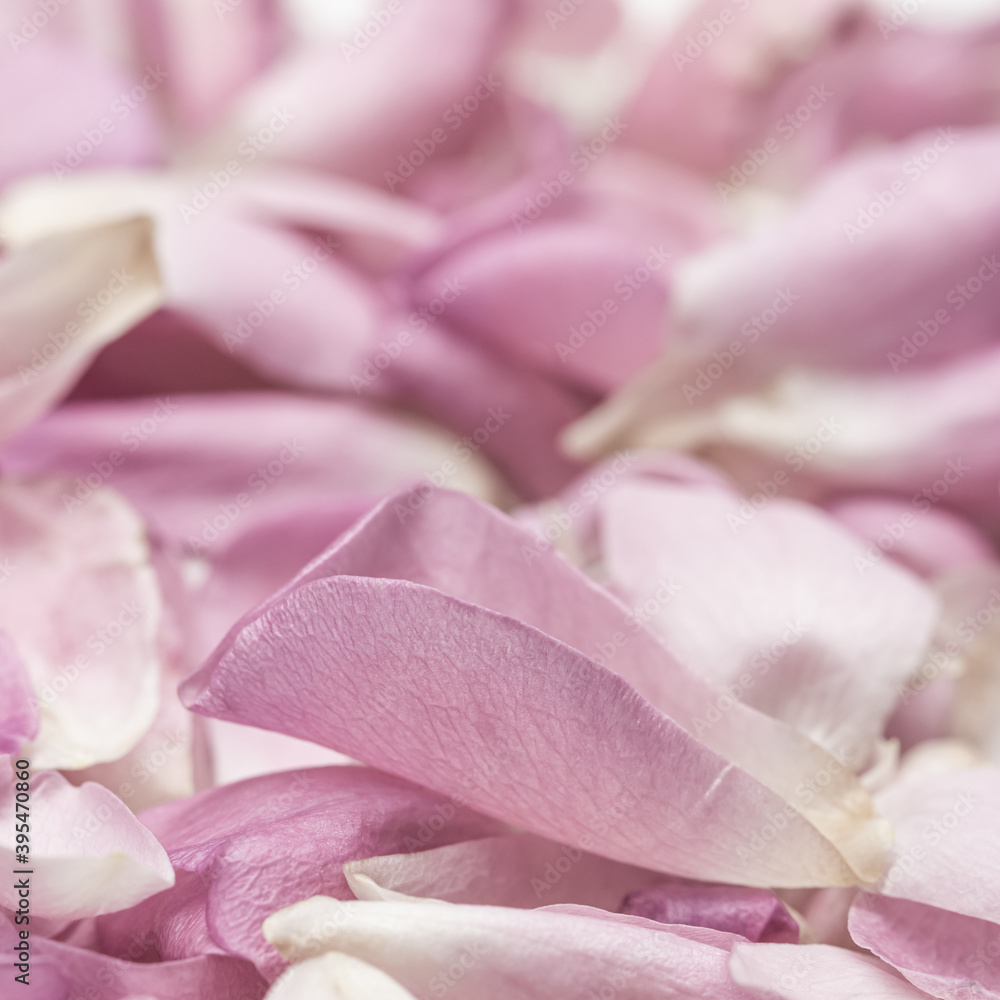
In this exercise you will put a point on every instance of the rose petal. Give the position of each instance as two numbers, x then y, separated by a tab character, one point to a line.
336	977
507	953
255	846
18	708
462	701
516	870
755	914
62	298
89	854
85	615
814	972
776	603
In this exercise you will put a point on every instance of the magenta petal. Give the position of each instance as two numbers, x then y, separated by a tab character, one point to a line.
18	708
472	710
250	848
756	914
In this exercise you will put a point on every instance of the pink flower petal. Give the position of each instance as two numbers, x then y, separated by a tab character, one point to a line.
930	545
84	612
62	298
281	452
61	972
515	870
375	123
339	977
814	972
755	914
251	848
943	953
771	603
89	854
542	298
457	730
18	707
495	953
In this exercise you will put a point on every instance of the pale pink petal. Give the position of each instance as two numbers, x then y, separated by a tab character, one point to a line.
496	953
932	544
486	663
83	608
19	711
334	976
62	298
706	95
245	460
744	310
943	953
65	109
88	854
516	870
208	52
755	914
971	643
374	122
945	850
567	28
770	602
814	972
251	848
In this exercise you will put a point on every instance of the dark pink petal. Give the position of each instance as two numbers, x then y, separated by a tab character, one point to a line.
457	731
514	870
815	972
88	854
253	847
64	972
18	706
755	914
508	953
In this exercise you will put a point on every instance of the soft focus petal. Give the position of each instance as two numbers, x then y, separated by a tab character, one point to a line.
83	609
18	707
62	298
89	854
